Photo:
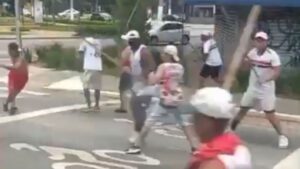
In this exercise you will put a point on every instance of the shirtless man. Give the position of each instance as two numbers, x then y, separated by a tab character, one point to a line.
17	77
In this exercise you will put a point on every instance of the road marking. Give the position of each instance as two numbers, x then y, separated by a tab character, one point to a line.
290	162
28	115
146	160
28	92
21	146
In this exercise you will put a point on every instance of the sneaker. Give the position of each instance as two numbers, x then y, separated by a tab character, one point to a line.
133	150
120	111
283	142
5	107
13	111
96	109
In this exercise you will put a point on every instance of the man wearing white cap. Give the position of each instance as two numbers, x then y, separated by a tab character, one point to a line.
212	59
90	50
265	69
140	63
212	110
168	77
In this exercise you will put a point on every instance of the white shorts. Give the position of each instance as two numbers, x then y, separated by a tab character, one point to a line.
266	103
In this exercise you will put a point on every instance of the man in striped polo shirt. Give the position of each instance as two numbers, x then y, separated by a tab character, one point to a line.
265	65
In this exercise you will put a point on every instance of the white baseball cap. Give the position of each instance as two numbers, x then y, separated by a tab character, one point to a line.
133	34
213	102
206	33
172	50
262	35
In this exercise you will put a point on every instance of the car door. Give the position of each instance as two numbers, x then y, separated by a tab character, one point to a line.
164	32
177	32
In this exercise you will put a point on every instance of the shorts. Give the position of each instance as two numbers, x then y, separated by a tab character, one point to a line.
125	82
16	81
210	71
266	103
92	79
158	113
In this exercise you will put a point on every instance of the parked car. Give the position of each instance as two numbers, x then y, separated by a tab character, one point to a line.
102	16
67	13
169	32
174	18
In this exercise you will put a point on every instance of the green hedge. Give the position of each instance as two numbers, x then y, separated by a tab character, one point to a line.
92	30
57	57
80	22
9	21
287	85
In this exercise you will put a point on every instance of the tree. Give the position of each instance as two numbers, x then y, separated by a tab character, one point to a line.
133	14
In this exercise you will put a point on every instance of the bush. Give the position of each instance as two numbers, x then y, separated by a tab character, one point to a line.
22	29
80	22
92	30
57	57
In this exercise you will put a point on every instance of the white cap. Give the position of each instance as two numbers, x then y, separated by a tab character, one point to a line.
213	102
206	33
90	40
133	34
262	35
172	50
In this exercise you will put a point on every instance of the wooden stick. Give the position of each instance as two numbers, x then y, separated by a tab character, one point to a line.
242	48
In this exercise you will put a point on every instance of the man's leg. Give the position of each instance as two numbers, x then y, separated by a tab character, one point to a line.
268	104
97	99
11	101
187	128
204	74
240	116
87	96
215	75
122	102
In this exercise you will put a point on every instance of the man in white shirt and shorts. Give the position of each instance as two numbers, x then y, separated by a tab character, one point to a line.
212	59
90	50
265	69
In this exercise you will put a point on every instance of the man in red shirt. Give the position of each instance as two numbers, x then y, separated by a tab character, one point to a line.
17	77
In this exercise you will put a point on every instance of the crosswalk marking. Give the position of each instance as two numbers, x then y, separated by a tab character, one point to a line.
290	162
27	92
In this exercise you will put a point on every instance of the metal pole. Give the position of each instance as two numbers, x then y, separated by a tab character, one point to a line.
18	24
160	10
71	10
170	7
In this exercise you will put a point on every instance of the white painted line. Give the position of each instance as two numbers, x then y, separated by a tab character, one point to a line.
28	92
290	162
44	112
5	96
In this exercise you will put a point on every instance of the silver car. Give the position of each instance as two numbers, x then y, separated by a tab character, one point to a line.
169	32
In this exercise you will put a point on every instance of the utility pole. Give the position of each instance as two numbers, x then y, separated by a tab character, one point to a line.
18	24
170	7
97	6
160	10
72	10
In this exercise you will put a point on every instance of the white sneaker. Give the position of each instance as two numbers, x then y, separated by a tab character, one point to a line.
133	150
283	141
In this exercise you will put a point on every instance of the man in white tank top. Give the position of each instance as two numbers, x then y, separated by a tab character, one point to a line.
141	63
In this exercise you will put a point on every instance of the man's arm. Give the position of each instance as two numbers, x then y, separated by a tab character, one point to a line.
147	62
205	50
15	66
276	67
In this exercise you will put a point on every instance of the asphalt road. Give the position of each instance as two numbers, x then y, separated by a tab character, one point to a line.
42	136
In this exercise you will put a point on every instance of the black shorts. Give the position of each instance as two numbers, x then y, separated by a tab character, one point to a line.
210	71
125	82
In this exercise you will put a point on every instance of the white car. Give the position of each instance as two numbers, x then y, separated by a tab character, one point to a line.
67	13
167	32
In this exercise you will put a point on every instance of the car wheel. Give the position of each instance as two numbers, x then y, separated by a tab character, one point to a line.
185	39
154	40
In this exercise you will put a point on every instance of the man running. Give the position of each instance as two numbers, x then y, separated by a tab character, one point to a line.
17	77
141	63
90	50
212	59
265	69
168	76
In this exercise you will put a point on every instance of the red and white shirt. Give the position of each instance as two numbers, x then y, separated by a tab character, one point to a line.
262	69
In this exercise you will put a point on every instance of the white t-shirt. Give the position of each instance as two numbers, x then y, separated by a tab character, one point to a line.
262	70
92	58
214	56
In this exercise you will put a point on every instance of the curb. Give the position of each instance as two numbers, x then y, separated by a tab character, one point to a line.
69	37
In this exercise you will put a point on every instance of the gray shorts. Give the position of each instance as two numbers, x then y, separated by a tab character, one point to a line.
158	113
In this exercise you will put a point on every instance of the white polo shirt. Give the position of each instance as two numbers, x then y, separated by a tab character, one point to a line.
262	69
91	61
214	56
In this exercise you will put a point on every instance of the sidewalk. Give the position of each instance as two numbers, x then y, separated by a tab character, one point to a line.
42	34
